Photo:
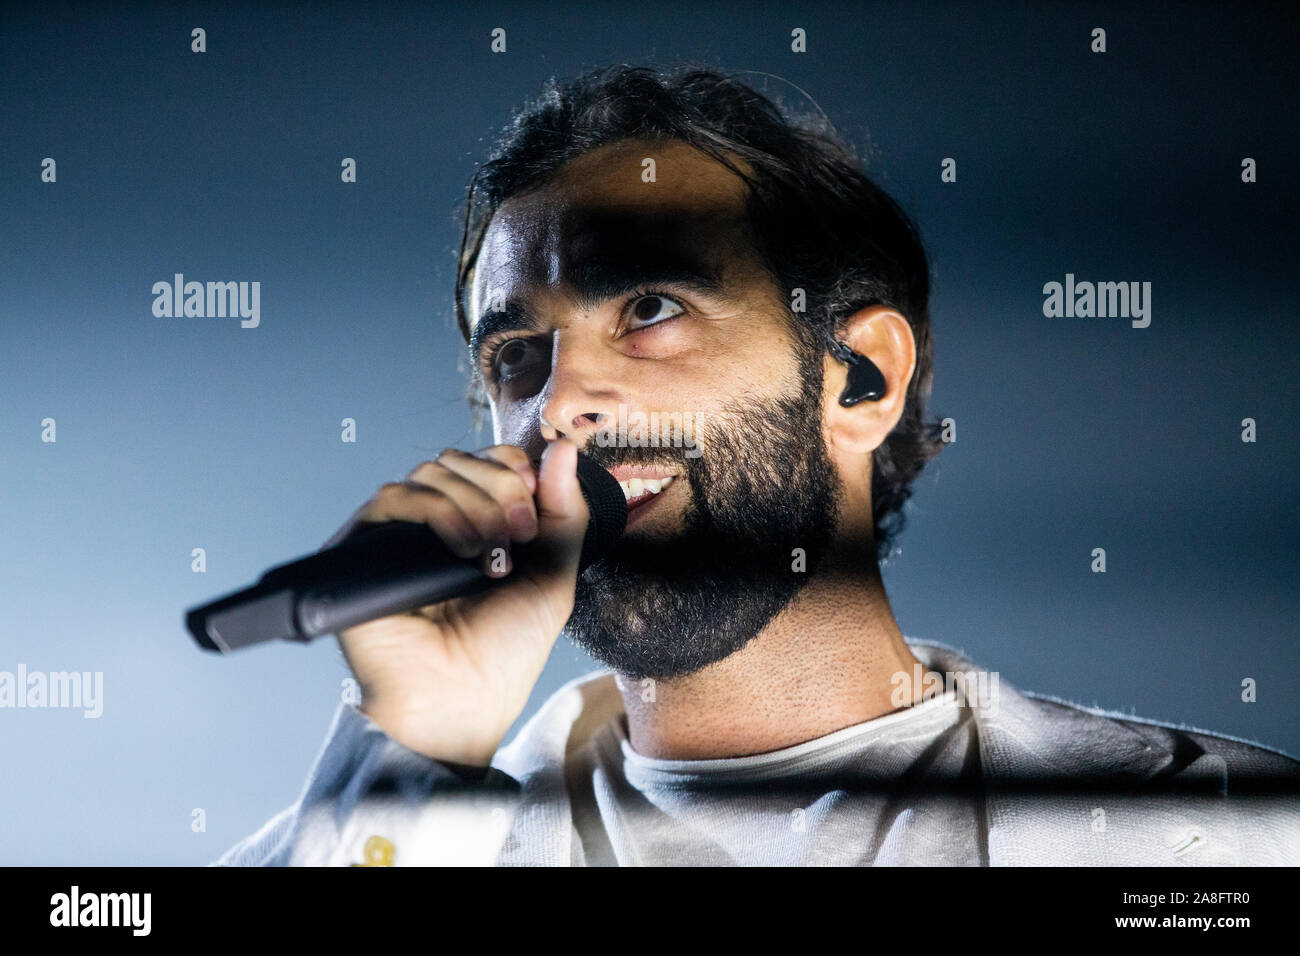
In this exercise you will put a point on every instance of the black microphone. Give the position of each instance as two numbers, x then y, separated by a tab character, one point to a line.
384	568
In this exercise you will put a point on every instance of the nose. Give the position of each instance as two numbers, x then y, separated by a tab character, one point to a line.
581	396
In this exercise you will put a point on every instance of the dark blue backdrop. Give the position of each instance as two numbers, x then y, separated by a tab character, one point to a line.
178	433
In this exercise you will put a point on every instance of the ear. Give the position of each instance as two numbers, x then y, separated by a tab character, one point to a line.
882	335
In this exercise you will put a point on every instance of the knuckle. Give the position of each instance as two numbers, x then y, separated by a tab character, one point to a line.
390	490
424	468
515	454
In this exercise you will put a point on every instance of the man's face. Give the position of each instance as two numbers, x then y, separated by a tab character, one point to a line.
601	298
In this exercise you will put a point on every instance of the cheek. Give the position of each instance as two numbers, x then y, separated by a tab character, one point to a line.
515	423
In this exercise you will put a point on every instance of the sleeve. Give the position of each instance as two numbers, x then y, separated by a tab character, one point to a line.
369	800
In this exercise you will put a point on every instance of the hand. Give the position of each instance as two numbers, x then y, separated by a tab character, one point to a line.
449	679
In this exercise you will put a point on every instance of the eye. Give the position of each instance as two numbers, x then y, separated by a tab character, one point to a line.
516	363
511	354
650	308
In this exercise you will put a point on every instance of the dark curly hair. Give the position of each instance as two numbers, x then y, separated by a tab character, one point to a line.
821	224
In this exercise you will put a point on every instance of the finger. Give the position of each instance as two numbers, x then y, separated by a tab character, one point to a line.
561	510
431	506
484	512
514	458
559	496
501	483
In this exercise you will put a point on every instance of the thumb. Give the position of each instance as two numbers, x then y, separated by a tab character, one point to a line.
561	510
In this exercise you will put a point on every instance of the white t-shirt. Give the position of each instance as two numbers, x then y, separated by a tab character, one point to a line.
902	788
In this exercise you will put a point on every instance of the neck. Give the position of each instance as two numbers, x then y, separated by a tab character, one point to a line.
822	664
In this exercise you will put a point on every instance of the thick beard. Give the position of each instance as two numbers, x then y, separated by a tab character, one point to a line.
765	486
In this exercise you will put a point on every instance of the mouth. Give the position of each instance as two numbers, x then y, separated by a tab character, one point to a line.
641	486
638	491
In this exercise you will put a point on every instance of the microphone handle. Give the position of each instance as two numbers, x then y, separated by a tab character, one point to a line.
414	569
387	568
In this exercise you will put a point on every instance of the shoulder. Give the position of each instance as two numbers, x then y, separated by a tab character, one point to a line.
1080	784
1184	742
1067	734
1104	788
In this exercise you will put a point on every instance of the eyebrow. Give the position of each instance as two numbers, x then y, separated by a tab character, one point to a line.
596	282
513	318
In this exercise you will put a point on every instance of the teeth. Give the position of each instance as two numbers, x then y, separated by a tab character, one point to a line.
635	487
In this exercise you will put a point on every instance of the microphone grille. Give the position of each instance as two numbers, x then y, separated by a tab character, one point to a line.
608	509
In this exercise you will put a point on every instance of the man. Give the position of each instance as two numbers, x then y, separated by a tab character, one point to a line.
674	249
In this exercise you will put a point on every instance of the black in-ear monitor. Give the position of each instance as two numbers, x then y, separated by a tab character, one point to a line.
865	383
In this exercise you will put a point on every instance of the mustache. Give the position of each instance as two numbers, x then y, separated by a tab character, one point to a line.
611	456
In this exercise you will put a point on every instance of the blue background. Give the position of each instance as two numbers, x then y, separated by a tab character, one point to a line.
182	433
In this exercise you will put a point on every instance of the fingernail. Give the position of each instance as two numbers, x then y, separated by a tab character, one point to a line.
522	522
